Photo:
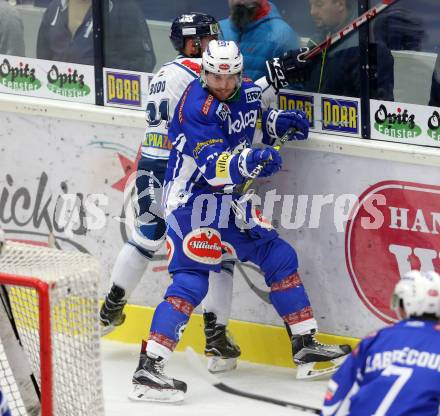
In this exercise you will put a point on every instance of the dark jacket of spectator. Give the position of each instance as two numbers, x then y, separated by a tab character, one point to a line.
127	41
435	86
337	71
11	31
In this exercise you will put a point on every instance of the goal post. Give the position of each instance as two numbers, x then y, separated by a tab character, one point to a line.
51	304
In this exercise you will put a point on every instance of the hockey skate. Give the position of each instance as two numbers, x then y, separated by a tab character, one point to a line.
315	359
152	385
111	315
220	349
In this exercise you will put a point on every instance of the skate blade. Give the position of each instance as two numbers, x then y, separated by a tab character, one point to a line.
107	329
318	370
148	394
221	365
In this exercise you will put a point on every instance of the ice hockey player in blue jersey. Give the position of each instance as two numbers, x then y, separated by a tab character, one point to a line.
190	33
4	408
212	133
395	372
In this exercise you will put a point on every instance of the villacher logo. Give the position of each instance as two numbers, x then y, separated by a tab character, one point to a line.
399	125
70	84
21	78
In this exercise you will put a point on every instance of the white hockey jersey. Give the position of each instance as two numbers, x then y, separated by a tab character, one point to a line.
165	90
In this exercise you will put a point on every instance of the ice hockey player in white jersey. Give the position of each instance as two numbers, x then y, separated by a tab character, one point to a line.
190	33
396	371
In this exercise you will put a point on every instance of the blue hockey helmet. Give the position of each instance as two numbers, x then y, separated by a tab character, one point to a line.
192	25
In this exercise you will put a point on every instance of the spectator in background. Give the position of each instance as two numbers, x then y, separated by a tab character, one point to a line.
11	31
399	29
260	31
337	71
66	34
434	99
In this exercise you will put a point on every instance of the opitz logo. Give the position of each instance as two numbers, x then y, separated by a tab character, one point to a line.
248	119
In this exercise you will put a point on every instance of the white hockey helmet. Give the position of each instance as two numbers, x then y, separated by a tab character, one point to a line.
418	293
222	57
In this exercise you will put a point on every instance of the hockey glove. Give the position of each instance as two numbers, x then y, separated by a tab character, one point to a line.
259	162
277	122
289	68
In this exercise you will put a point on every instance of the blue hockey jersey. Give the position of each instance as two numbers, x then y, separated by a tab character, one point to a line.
395	372
205	133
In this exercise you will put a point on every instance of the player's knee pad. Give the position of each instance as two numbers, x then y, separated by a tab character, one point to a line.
149	236
189	286
280	261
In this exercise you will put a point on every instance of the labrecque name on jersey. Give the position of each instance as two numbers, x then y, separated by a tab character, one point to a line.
406	356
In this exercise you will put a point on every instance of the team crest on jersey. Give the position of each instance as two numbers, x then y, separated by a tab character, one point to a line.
170	249
203	245
222	111
253	94
207	104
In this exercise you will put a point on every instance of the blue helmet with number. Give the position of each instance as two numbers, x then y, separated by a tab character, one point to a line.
192	25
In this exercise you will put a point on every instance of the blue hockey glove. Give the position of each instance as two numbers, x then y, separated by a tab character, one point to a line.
260	162
277	122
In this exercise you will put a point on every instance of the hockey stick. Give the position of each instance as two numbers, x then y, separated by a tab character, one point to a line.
242	189
215	382
353	25
246	193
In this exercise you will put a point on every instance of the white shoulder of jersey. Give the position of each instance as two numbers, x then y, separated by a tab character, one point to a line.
269	97
164	92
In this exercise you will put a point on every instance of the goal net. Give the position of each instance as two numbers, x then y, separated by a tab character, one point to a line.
49	348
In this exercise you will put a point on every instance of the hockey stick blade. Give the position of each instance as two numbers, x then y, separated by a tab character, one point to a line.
195	362
353	25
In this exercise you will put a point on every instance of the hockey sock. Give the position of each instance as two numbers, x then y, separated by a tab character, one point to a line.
290	300
219	297
129	267
169	322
